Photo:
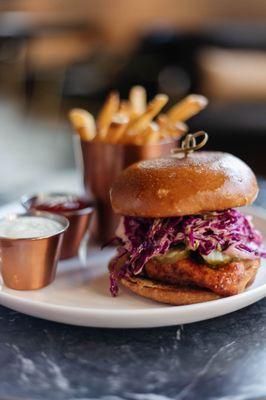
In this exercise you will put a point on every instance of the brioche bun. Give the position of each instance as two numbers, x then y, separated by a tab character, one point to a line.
169	187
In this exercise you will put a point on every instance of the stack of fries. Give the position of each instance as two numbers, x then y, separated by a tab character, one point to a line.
134	121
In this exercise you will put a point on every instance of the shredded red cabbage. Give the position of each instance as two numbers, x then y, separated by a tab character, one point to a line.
143	238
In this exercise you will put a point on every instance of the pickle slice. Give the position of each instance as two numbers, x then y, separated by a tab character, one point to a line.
217	258
172	256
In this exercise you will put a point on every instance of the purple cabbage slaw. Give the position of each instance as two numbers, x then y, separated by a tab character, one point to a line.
140	239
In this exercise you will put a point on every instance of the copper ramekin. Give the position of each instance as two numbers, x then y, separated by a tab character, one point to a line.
30	263
101	163
79	222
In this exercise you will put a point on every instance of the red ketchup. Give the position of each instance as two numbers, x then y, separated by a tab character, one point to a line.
60	204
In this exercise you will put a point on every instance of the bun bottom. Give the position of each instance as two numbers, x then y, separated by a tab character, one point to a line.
166	293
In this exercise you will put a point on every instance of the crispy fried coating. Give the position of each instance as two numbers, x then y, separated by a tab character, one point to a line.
225	280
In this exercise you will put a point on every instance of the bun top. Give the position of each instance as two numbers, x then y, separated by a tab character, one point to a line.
167	187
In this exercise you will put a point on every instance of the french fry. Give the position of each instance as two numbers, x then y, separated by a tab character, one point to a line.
169	128
151	135
154	126
143	121
116	129
83	122
106	114
138	100
125	109
186	108
132	121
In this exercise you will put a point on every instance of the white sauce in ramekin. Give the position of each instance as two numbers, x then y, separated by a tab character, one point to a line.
29	227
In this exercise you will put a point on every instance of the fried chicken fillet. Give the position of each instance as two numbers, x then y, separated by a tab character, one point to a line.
227	280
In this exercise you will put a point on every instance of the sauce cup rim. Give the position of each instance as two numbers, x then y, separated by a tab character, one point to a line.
27	199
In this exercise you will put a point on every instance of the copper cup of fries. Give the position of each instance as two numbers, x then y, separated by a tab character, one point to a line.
125	132
102	163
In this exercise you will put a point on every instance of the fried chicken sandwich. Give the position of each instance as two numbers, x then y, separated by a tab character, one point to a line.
181	238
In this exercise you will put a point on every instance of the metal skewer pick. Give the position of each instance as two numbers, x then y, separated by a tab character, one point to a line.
189	143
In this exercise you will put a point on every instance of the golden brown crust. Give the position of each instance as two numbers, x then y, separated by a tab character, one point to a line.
203	181
226	280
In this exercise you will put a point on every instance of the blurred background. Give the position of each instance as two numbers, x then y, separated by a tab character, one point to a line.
58	54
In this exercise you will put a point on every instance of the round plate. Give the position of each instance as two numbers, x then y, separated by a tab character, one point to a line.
80	295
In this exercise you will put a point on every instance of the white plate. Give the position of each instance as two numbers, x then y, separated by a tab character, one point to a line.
80	296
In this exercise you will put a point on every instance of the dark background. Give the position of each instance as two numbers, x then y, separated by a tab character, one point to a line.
58	54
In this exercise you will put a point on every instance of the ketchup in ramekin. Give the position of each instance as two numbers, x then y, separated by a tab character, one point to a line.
77	209
60	203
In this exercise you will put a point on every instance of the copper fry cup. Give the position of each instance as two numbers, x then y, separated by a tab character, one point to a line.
79	222
30	263
101	163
